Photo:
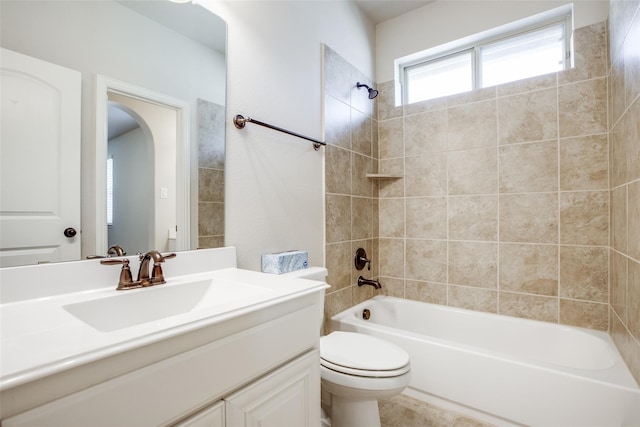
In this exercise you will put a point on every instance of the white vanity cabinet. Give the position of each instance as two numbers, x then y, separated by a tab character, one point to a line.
287	397
214	346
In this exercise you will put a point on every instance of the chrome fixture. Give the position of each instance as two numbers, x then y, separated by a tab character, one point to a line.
126	279
361	259
375	283
372	92
240	121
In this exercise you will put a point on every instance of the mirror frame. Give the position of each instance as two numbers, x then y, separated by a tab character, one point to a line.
103	86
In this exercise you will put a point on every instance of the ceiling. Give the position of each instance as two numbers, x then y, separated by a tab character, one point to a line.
383	10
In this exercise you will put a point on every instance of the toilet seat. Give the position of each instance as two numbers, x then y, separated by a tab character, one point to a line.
362	355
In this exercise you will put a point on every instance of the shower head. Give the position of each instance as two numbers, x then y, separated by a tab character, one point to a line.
372	92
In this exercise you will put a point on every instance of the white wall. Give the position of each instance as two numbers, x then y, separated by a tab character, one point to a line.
449	20
274	189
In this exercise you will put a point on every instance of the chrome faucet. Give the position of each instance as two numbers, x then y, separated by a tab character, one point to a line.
375	283
126	279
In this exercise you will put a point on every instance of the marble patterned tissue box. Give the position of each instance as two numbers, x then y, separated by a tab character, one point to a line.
284	262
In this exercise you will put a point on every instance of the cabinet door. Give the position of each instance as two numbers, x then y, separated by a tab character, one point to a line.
288	397
212	416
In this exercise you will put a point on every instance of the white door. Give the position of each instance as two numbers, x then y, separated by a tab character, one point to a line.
40	161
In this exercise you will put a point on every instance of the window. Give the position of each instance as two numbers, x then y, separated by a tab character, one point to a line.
538	48
110	191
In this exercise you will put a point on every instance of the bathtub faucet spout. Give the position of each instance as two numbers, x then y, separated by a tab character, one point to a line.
375	283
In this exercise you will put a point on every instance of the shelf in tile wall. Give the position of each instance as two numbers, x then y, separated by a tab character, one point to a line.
383	176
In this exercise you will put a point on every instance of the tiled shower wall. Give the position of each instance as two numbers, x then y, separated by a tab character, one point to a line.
504	204
624	163
210	174
351	198
503	201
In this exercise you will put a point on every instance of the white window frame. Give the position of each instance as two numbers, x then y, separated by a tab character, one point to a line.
562	15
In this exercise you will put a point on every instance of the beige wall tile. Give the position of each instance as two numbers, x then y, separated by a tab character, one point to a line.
427	217
435	293
618	274
584	314
360	132
530	167
361	218
391	217
633	222
473	298
583	108
210	219
544	81
210	185
529	218
392	263
339	260
473	264
426	133
390	138
584	163
584	273
426	260
528	306
529	268
472	125
393	287
628	347
473	218
530	116
618	153
584	218
337	123
210	242
619	218
473	171
482	94
590	54
338	217
633	308
337	170
424	106
426	175
360	184
334	303
386	101
391	187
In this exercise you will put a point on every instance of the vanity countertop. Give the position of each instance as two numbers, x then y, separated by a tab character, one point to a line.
41	337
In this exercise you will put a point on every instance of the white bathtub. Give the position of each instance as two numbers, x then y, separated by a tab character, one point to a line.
516	370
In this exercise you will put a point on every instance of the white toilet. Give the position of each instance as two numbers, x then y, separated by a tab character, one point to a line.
356	370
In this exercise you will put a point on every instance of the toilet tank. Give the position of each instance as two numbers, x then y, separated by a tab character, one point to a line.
311	273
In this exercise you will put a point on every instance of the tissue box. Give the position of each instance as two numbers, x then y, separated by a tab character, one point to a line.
284	262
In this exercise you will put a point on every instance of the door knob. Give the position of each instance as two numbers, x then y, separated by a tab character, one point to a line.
70	232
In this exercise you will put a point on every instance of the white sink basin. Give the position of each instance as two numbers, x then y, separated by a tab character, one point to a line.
134	307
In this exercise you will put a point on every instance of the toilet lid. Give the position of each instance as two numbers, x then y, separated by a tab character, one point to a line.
362	352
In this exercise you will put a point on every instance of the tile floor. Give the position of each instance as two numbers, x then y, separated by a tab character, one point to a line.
404	411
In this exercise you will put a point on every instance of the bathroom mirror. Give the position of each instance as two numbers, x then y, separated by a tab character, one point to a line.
174	51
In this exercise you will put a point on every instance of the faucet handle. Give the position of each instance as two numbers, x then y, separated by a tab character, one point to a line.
126	279
361	259
157	275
